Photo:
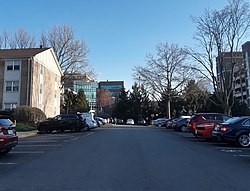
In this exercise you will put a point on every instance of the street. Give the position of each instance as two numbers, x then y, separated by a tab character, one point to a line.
125	158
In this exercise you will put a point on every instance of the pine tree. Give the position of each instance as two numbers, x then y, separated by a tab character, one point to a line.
81	103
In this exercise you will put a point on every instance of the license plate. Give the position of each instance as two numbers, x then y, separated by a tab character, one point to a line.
10	132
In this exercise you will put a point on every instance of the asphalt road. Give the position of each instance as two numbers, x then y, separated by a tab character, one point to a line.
124	159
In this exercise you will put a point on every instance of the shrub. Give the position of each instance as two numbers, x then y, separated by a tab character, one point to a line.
28	115
6	112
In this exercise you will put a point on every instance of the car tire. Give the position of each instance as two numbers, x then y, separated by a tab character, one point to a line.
88	129
5	151
44	129
183	128
85	128
244	140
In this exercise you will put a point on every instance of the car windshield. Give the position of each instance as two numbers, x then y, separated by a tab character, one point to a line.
5	122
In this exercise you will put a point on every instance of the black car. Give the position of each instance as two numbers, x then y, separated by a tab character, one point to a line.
62	122
234	130
141	122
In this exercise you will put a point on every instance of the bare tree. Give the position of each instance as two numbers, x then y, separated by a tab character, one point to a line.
219	35
4	40
164	74
24	40
104	98
20	39
71	52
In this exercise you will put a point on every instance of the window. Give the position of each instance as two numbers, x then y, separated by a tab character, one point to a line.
41	88
12	86
41	69
13	65
246	123
10	106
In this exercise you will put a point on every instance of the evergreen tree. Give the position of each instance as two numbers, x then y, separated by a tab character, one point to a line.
122	106
145	103
70	99
81	103
139	102
194	96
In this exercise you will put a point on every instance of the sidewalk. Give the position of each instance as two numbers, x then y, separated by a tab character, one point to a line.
24	134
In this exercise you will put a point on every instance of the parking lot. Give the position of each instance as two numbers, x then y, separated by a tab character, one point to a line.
229	149
145	158
35	146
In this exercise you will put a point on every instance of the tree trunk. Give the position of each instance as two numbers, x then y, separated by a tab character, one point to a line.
169	109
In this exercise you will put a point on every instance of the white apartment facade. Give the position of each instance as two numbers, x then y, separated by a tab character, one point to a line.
30	77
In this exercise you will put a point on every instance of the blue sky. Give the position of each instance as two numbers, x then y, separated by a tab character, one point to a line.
119	33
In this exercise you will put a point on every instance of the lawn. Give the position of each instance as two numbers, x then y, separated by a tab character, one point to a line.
24	127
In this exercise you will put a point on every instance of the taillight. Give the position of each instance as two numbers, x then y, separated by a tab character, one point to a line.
3	131
224	129
14	130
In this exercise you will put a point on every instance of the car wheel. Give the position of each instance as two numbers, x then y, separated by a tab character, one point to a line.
244	140
5	151
183	128
159	125
85	128
88	129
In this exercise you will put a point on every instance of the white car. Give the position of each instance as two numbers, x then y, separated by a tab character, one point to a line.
91	124
130	122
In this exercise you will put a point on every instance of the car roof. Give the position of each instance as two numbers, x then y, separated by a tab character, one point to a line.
210	114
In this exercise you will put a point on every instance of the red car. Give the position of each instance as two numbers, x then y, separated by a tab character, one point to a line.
8	136
202	124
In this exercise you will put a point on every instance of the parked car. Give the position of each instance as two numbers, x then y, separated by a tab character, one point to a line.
99	121
120	121
180	124
130	122
102	120
142	121
159	122
234	130
8	135
169	123
91	123
61	123
202	124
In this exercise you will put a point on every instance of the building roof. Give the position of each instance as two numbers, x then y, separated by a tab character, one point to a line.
20	53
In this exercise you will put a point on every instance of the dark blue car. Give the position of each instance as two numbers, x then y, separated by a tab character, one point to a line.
234	130
180	124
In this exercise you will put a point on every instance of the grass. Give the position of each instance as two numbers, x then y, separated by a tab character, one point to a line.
24	127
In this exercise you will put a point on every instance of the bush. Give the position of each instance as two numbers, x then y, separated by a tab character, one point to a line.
28	115
6	112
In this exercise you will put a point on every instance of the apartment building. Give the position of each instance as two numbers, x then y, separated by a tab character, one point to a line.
30	77
241	72
246	64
